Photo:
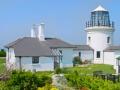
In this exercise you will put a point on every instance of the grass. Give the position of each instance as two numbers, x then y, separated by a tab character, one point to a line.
83	70
107	69
2	65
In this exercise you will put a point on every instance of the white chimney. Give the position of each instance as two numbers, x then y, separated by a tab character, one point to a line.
41	29
38	31
32	33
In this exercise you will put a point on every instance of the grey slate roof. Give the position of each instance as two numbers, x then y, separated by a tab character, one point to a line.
112	49
83	47
57	43
28	46
12	43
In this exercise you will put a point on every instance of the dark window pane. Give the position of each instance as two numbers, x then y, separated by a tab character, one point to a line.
79	54
108	39
98	54
35	60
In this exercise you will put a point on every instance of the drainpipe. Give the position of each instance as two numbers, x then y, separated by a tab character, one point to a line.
20	63
103	57
8	54
93	57
7	59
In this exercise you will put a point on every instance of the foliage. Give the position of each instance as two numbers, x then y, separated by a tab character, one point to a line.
77	78
96	73
48	87
47	73
26	80
3	86
58	71
77	60
79	82
2	53
118	58
2	65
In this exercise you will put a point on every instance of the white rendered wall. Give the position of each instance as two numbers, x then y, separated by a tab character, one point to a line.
67	56
99	40
45	64
85	55
109	58
117	54
10	58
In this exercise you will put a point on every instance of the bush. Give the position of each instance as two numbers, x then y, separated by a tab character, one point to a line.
58	70
86	82
27	80
2	53
48	87
77	60
97	73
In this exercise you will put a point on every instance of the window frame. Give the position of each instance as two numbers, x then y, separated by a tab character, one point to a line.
108	39
89	39
98	54
33	60
79	53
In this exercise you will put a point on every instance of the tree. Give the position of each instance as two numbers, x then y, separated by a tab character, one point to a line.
2	53
77	60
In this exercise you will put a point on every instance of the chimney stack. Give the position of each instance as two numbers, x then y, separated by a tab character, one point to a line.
38	31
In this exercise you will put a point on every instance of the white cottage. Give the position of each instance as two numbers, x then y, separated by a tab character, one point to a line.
38	53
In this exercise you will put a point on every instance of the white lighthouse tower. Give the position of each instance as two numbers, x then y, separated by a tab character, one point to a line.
99	33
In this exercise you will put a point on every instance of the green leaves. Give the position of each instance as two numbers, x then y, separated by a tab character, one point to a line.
2	53
77	60
27	80
118	58
78	81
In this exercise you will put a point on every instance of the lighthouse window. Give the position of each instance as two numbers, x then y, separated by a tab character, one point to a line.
98	54
108	39
89	38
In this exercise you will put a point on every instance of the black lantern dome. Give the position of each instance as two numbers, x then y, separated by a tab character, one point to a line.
99	17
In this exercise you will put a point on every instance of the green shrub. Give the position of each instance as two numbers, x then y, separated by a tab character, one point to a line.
27	80
97	73
77	60
91	83
2	53
58	70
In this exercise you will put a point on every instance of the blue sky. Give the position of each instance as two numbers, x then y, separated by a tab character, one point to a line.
64	19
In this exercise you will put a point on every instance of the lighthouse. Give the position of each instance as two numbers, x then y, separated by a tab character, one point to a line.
99	31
